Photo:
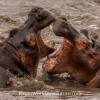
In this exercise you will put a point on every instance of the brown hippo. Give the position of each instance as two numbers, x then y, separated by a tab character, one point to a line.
24	47
77	55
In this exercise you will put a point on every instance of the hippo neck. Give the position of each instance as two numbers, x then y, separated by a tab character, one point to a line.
24	59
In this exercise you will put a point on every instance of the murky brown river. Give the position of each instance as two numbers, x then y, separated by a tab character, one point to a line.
82	14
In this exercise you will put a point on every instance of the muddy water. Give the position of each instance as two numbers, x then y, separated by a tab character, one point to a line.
83	14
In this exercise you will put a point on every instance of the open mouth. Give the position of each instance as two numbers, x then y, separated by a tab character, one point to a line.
57	61
73	56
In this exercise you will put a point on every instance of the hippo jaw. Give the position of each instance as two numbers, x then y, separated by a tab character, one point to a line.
56	64
40	18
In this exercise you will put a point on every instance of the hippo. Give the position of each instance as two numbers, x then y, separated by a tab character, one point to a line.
24	47
77	55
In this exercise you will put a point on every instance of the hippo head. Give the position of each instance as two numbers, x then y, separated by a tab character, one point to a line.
29	34
26	42
70	50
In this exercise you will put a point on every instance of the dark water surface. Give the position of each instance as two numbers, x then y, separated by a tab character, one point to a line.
82	14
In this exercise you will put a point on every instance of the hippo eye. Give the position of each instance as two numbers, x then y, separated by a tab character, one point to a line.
39	18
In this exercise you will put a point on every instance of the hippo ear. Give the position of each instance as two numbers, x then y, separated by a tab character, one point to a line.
13	32
85	32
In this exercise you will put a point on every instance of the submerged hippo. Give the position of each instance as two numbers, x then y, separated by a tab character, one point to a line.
76	56
24	47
